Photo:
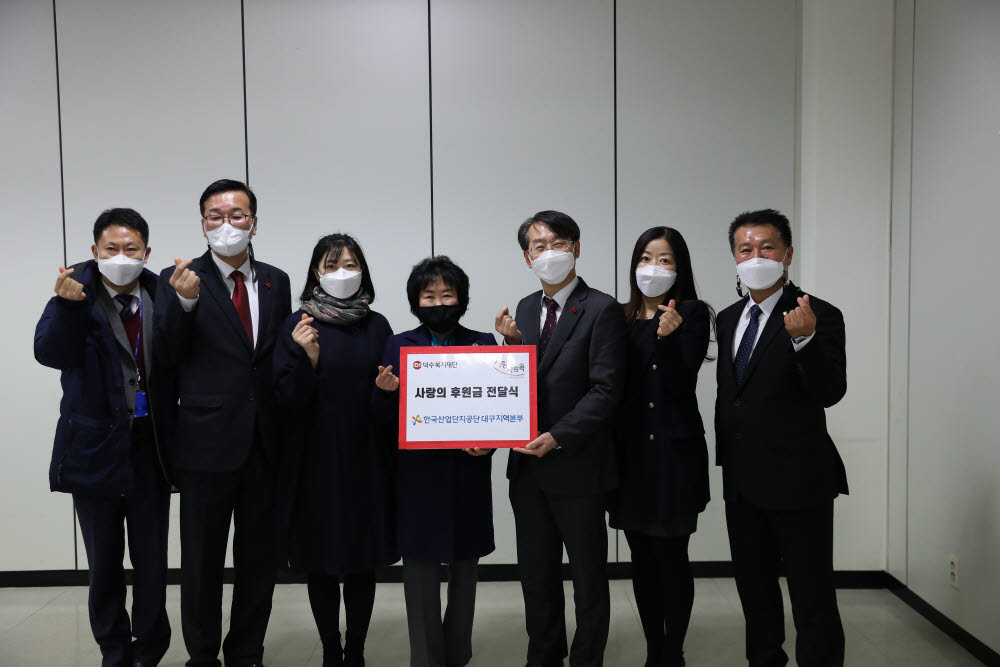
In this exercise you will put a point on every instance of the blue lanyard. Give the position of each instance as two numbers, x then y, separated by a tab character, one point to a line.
138	339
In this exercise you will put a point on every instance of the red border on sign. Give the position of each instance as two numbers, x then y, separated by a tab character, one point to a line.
404	364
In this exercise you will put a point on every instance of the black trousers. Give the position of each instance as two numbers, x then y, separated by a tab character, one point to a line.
760	541
544	524
209	501
664	594
145	510
359	601
435	642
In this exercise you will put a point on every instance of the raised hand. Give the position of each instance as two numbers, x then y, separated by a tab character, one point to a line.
670	319
68	288
185	281
801	321
507	327
308	337
540	446
386	380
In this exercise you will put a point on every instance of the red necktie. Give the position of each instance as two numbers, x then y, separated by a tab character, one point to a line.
550	324
242	303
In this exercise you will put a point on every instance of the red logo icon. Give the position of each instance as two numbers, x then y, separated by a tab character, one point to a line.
416	365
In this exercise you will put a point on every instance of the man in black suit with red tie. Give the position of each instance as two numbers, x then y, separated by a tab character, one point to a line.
782	362
218	321
558	481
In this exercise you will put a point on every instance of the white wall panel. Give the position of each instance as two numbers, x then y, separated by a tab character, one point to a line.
152	109
522	122
706	129
339	137
843	246
953	505
37	526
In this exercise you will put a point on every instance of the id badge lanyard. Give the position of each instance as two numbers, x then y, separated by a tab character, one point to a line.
141	405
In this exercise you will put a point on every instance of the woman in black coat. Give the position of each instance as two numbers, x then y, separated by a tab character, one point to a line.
444	497
336	516
663	457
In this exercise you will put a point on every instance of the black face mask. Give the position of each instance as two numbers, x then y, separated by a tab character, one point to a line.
440	319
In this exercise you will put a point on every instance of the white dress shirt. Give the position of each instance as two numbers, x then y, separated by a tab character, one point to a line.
766	308
560	297
251	285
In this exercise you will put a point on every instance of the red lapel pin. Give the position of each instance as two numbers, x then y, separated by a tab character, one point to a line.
267	285
572	310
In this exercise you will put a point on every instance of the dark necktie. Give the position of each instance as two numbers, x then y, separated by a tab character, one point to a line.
242	303
746	344
124	305
550	324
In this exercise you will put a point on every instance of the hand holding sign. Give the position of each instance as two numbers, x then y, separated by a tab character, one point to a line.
540	446
801	322
386	381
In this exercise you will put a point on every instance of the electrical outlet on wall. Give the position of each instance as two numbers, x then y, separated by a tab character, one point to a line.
953	570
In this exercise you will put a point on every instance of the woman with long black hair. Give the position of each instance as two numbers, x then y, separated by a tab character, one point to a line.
663	457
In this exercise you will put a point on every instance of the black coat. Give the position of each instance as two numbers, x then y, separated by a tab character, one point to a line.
662	453
445	496
333	493
91	452
771	436
580	382
225	388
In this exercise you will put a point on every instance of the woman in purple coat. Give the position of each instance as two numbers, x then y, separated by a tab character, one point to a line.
444	497
336	513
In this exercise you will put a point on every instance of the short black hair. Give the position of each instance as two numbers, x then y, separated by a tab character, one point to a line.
561	224
227	185
336	243
765	216
427	271
121	216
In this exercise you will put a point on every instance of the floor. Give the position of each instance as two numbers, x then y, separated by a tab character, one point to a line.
49	626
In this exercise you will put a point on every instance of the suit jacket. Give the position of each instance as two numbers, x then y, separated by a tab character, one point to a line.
580	381
662	453
224	385
771	435
444	496
86	340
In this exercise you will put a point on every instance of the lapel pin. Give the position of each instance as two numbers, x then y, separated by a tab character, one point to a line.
267	285
572	310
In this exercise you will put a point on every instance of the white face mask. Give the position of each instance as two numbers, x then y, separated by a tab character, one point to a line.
227	240
759	273
654	280
120	270
552	266
340	284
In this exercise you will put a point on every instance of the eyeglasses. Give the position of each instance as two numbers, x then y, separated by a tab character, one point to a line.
562	245
235	218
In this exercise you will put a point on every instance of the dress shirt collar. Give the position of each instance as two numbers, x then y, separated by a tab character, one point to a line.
226	269
135	293
562	296
766	306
